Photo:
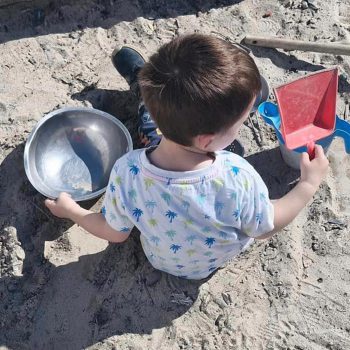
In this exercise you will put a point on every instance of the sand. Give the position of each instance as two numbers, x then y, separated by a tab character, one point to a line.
61	288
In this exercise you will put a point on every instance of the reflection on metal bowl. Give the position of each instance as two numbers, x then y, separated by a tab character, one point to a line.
73	150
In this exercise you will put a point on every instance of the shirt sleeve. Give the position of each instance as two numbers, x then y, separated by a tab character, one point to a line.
257	213
113	209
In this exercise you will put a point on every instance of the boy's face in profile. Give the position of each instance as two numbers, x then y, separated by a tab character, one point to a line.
219	141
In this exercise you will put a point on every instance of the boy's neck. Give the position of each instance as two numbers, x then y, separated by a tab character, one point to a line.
174	157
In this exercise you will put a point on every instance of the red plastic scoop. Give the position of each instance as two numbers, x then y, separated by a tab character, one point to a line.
307	108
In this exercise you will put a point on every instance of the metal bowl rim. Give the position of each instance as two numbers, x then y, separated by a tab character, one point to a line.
50	115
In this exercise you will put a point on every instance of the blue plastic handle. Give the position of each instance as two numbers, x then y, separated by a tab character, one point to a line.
270	114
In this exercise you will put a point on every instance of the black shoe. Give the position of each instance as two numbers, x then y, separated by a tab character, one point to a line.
128	63
236	147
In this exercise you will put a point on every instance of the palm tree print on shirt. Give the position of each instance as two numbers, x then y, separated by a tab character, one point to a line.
151	205
206	229
166	197
175	248
171	234
191	238
208	253
118	180
112	187
132	194
153	222
259	218
190	252
137	213
201	198
171	215
219	206
209	241
133	168
246	185
235	170
233	195
148	183
237	213
188	222
155	240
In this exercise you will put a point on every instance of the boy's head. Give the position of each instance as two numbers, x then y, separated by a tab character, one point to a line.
198	85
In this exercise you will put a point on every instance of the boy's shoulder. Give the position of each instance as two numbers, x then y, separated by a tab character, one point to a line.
237	164
129	159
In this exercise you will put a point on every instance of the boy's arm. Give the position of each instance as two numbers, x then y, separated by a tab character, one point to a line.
95	223
290	205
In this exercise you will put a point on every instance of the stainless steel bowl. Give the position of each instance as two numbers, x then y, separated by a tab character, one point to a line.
73	150
263	94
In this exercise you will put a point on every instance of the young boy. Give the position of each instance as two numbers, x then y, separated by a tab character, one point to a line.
195	205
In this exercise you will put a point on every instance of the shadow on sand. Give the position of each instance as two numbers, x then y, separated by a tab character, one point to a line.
30	18
109	293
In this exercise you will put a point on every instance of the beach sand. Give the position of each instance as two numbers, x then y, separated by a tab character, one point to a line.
61	288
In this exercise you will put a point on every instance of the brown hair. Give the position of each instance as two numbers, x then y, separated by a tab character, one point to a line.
197	84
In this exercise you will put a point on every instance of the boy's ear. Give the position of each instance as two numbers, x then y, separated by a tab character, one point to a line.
203	141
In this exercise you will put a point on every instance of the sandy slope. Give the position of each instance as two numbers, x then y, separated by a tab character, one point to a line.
63	289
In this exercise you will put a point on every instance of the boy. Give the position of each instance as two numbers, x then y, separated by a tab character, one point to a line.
195	206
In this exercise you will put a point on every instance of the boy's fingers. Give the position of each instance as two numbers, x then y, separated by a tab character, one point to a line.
305	158
49	203
319	151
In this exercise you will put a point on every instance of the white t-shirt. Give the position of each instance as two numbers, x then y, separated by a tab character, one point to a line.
191	222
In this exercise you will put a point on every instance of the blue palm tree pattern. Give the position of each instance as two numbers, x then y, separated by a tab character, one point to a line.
235	170
111	187
219	206
137	213
184	218
259	218
175	248
171	234
209	241
191	238
233	195
201	198
237	213
133	168
151	205
155	240
171	215
166	197
206	229
132	194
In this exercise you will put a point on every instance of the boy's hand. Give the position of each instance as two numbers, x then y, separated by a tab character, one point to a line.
63	207
314	171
